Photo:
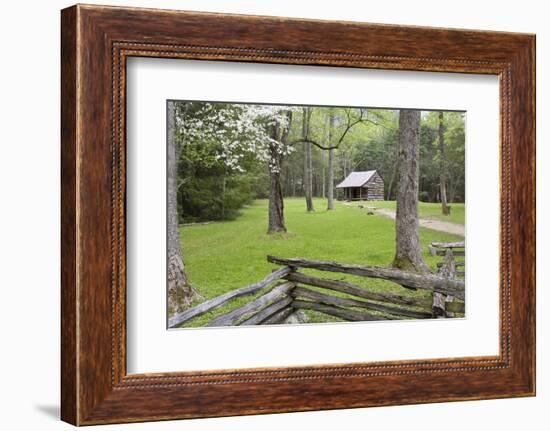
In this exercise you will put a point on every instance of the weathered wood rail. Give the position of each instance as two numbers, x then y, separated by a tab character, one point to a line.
456	249
404	278
286	291
218	301
448	269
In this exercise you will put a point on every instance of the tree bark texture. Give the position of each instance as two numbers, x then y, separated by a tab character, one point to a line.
276	204
445	209
408	254
308	168
330	189
180	291
276	217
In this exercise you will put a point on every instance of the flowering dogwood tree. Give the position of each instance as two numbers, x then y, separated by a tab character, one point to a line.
237	132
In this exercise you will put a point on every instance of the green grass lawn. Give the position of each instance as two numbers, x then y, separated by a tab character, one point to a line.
431	211
224	256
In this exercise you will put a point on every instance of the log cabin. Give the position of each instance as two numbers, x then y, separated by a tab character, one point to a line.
362	185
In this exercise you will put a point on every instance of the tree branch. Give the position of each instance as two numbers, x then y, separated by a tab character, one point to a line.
350	124
313	142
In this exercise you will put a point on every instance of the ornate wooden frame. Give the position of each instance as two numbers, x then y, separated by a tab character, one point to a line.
96	41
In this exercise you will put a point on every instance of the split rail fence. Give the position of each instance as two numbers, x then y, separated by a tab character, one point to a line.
287	290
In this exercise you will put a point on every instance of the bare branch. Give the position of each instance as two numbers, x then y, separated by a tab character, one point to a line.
350	125
313	142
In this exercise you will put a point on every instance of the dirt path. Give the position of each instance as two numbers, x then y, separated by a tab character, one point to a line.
441	226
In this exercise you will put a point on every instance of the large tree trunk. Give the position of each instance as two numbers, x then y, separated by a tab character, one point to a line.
308	180
276	204
442	168
276	219
330	189
180	291
408	253
308	171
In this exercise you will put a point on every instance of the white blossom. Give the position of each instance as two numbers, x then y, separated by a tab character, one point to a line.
239	130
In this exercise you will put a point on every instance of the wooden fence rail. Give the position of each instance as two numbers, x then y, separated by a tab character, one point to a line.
218	301
285	294
458	244
342	313
442	248
352	289
277	294
408	279
303	293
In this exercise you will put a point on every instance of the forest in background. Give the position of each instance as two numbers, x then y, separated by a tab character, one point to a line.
224	163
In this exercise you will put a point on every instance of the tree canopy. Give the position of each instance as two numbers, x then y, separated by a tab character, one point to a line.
226	153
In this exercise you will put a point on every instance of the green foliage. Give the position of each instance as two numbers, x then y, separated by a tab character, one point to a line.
203	198
454	163
423	196
376	149
210	187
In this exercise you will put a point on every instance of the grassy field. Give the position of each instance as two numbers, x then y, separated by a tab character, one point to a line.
224	256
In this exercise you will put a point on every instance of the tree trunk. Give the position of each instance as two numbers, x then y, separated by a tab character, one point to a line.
224	184
276	204
180	291
309	176
323	176
445	210
408	255
308	180
276	217
330	189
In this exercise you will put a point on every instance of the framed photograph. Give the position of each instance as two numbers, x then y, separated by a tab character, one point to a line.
265	215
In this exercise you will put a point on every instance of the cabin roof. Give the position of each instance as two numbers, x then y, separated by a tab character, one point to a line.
356	179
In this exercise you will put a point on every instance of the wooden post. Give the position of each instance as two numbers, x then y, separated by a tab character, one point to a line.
439	300
438	305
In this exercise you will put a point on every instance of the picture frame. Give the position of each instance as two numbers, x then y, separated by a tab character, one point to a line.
96	41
